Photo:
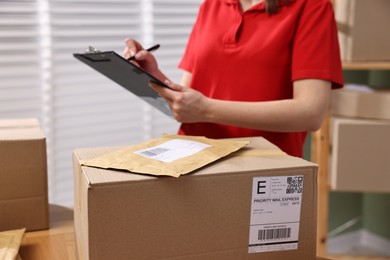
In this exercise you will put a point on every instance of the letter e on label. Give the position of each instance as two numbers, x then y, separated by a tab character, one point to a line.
261	187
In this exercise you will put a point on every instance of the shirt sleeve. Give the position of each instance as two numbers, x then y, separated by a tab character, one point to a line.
315	49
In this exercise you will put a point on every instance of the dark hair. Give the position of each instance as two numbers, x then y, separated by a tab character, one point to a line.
272	6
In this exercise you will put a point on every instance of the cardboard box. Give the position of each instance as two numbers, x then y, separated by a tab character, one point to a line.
360	155
214	213
23	176
374	104
363	29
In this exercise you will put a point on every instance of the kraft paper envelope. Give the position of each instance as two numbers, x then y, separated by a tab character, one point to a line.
169	155
9	244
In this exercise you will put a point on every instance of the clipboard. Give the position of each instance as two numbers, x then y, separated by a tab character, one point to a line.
126	74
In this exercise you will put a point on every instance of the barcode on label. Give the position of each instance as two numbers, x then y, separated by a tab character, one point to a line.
154	152
277	233
295	184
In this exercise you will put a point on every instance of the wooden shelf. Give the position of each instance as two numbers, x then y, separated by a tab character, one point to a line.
385	65
320	155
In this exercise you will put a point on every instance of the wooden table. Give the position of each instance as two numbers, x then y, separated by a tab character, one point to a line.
56	243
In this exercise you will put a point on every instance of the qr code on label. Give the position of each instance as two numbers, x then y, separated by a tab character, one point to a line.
295	184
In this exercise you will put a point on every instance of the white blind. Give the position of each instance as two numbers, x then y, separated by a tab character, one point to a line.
172	23
87	109
77	106
19	60
173	20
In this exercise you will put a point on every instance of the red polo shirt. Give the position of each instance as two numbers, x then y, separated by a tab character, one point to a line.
253	56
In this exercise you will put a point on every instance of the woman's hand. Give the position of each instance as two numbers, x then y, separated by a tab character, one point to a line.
187	105
143	58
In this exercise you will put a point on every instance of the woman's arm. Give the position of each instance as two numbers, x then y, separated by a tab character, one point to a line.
304	112
186	79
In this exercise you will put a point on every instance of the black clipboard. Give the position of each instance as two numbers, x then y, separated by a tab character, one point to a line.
126	74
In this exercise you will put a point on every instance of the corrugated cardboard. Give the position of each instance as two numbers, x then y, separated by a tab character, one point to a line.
374	104
360	155
202	215
23	176
363	29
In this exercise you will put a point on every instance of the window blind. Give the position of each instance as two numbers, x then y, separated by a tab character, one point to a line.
77	107
84	108
19	60
172	23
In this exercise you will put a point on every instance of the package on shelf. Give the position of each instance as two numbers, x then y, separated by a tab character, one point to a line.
23	175
258	202
359	101
360	155
363	29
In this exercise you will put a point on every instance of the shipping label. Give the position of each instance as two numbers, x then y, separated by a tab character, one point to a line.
172	150
275	213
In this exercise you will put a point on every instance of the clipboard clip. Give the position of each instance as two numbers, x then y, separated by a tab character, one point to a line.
95	55
92	49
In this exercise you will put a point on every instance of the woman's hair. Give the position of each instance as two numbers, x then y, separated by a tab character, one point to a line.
272	6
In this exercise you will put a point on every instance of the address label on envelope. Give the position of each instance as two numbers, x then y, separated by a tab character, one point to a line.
172	150
169	155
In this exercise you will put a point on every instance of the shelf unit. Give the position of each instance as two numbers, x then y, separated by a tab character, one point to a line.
366	65
320	154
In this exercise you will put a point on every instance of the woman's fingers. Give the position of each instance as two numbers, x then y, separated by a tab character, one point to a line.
131	48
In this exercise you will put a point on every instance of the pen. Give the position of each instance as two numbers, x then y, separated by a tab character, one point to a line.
153	48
